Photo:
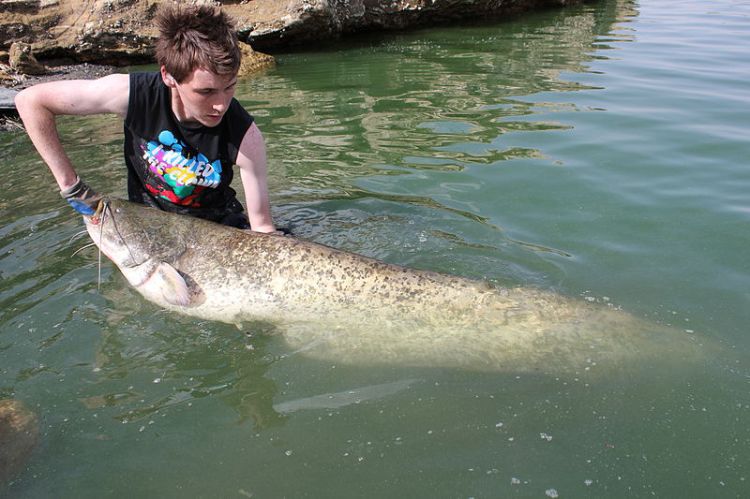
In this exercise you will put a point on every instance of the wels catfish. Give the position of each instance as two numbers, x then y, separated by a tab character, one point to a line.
345	307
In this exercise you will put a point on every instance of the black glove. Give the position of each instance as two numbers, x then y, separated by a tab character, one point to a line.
82	198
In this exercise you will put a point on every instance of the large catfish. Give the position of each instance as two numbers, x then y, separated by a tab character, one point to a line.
349	308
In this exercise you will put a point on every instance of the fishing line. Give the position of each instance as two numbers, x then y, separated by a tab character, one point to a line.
119	234
101	231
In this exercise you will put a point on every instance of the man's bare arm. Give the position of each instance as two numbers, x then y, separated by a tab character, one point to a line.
252	162
39	105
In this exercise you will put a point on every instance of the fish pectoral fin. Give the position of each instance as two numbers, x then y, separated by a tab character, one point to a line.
170	283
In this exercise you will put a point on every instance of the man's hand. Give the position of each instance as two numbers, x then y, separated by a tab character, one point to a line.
281	231
82	198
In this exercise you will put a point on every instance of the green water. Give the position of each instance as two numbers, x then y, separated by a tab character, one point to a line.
599	152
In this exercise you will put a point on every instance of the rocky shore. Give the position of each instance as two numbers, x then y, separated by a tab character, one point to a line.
55	39
121	32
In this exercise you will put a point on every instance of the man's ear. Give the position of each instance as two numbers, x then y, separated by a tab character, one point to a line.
168	78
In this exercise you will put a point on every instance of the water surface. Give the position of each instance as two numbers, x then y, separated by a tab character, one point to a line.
599	152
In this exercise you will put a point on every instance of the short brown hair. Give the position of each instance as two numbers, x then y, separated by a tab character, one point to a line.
196	36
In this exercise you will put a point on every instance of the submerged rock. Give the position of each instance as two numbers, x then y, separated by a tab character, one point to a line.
6	100
19	435
253	61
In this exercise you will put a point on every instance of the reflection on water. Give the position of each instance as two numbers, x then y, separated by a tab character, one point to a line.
439	102
596	151
406	122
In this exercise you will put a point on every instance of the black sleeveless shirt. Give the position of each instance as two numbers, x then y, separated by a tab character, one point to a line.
180	167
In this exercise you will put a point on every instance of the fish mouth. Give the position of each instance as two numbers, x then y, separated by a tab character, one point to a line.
99	214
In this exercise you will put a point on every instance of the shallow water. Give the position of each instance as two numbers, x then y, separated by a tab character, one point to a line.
599	152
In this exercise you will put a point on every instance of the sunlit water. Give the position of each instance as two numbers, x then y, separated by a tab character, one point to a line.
600	152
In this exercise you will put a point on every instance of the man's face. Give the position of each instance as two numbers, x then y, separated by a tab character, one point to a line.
202	97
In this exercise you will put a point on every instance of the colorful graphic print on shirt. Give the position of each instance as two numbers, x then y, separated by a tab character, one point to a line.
185	172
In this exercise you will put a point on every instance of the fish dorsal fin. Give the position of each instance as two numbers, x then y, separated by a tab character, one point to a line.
170	284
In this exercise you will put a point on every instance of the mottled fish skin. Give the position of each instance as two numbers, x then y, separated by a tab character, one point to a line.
338	305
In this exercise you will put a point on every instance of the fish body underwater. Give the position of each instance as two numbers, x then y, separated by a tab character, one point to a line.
345	307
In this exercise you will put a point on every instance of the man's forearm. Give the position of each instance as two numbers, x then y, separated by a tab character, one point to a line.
42	130
252	162
259	214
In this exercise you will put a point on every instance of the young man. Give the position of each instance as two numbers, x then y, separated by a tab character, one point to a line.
184	131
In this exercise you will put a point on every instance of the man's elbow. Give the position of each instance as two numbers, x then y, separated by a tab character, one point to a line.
25	102
33	107
21	101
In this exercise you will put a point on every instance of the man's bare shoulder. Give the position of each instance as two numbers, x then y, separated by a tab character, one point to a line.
109	93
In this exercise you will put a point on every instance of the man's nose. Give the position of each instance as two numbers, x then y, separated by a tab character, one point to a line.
222	103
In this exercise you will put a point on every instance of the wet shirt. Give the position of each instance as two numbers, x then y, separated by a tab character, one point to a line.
180	167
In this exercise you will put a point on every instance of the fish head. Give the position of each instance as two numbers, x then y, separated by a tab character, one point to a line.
122	232
144	246
134	237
